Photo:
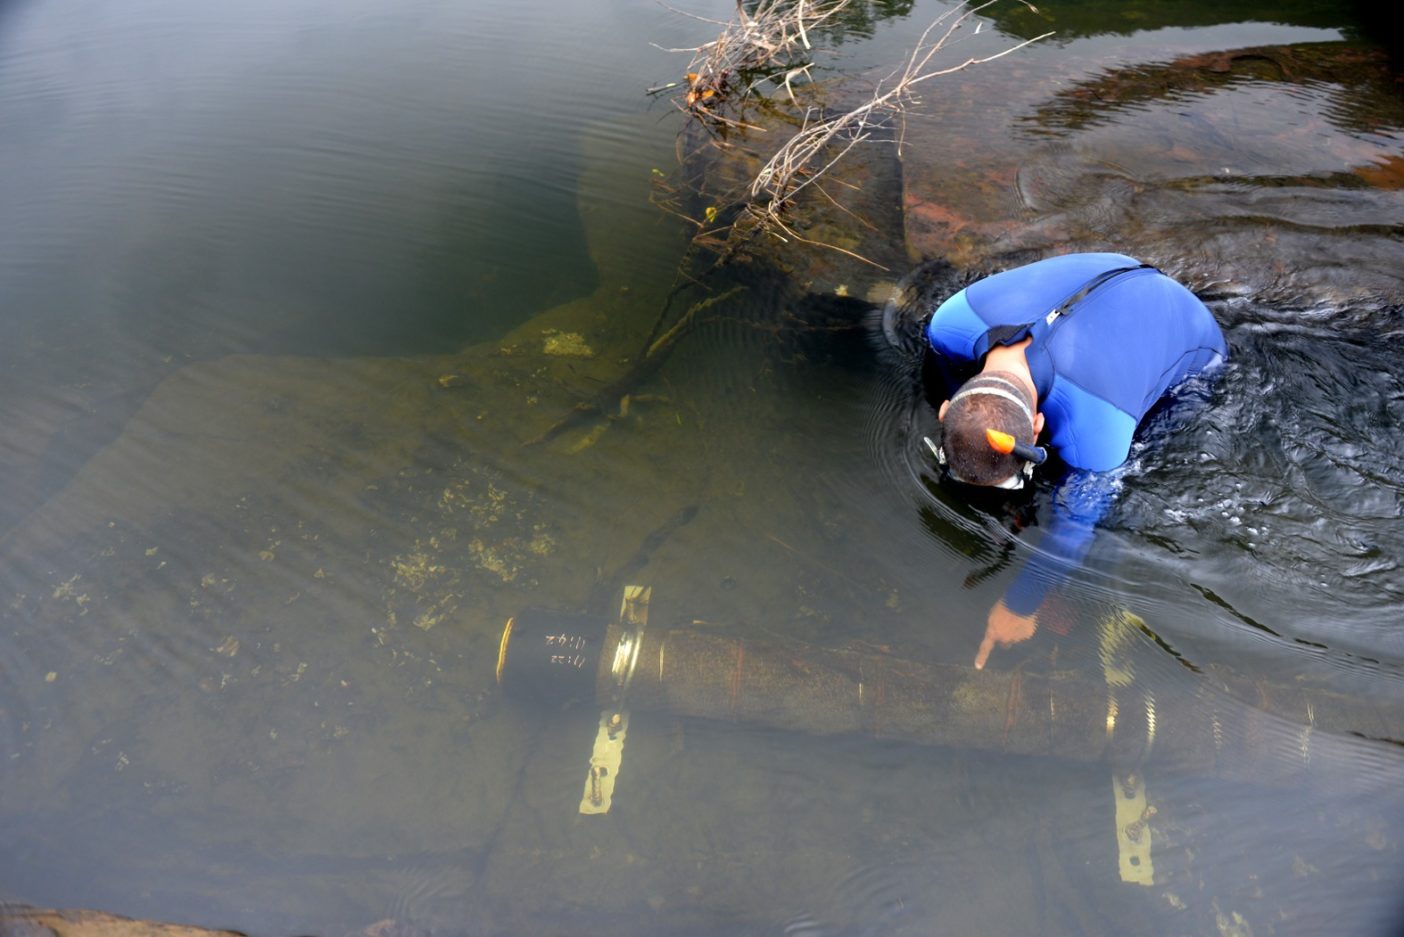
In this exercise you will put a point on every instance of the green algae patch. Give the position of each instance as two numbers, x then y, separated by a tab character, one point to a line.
565	345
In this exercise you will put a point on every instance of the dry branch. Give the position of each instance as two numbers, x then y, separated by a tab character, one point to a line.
769	43
775	42
792	167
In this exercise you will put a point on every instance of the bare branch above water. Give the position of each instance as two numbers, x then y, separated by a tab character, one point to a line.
769	43
792	168
775	44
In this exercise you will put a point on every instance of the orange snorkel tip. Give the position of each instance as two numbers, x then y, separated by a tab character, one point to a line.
999	442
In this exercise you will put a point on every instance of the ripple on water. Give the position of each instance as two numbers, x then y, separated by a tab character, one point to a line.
1283	496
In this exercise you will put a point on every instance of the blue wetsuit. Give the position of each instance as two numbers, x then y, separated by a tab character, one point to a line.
1110	337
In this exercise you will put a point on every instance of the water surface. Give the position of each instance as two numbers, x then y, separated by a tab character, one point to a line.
282	285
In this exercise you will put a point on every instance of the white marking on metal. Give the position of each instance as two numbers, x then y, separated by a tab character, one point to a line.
604	762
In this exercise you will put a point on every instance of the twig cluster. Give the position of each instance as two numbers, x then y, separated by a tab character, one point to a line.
773	43
769	43
822	141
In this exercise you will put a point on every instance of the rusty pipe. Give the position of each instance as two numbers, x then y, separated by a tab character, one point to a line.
1217	726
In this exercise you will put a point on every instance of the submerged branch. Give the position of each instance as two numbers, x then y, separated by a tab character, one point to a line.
656	350
773	220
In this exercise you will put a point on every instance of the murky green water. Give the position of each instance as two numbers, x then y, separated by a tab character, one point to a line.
296	295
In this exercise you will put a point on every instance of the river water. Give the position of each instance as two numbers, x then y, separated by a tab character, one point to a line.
297	295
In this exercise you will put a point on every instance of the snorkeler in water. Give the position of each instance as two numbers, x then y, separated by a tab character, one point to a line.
1073	351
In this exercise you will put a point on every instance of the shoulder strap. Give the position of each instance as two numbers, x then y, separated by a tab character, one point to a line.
1038	328
1066	306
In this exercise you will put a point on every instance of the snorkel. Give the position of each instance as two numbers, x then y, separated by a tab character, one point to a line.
1003	442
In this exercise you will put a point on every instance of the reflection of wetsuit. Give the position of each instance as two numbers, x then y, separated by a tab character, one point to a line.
1110	337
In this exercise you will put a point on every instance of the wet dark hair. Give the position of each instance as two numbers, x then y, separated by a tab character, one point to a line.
983	403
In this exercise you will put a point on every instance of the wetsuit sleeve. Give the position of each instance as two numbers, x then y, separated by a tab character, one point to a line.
1082	500
954	329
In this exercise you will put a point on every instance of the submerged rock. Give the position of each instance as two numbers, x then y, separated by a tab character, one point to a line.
1264	171
24	921
19	921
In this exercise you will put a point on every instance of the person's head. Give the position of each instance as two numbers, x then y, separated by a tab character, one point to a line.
989	428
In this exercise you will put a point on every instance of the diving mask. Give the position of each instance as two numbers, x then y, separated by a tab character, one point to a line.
997	440
1032	456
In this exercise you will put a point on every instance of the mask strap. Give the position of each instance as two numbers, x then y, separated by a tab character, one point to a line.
1016	399
1012	483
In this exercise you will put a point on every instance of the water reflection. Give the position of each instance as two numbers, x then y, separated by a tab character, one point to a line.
1078	20
1264	154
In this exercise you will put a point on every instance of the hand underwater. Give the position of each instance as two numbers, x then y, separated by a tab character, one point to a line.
1004	628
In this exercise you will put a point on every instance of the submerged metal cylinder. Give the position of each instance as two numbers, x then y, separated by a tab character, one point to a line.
1208	728
801	687
550	656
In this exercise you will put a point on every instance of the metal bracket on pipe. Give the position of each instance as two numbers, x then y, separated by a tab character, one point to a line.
1133	814
604	762
633	617
608	752
1133	834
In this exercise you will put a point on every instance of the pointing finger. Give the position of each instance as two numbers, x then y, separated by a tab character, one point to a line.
983	654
